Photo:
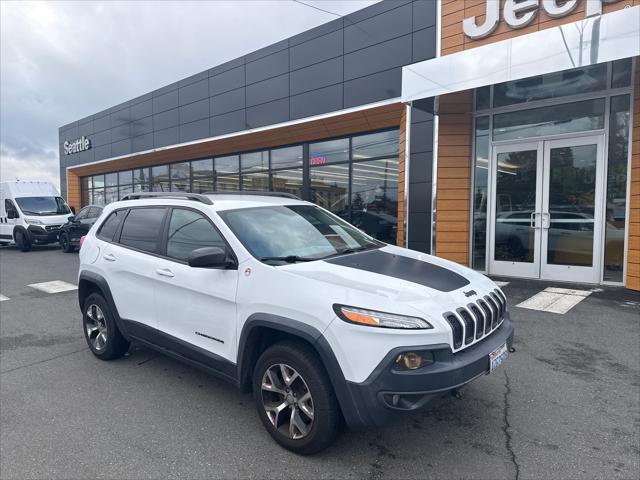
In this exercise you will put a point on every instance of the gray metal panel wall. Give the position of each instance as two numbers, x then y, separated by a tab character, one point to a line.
350	61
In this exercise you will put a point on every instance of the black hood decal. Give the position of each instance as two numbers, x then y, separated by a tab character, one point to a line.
404	268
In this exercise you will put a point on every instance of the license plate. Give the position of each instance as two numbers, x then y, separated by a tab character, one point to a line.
498	356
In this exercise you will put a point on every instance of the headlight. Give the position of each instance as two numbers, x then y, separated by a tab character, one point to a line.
34	221
379	319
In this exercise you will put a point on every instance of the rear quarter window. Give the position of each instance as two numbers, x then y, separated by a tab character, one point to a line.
110	225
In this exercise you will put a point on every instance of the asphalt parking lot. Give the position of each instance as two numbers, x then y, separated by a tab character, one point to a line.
566	404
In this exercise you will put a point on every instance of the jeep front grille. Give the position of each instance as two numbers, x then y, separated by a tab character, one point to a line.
473	322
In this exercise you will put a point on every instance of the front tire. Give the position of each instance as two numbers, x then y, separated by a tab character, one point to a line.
100	330
22	241
65	243
294	397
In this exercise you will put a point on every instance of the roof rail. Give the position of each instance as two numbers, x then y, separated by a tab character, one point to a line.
254	192
196	197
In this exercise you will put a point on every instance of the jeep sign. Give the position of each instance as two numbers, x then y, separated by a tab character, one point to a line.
520	13
75	146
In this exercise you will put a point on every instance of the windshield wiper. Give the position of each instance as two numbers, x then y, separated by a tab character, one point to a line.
288	259
348	250
29	212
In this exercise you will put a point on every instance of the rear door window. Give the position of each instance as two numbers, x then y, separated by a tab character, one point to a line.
142	229
110	225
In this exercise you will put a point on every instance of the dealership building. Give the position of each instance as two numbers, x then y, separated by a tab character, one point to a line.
503	135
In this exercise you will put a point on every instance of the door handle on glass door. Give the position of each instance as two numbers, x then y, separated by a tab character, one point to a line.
109	257
534	220
165	272
546	220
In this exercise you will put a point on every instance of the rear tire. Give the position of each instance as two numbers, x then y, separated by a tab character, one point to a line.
22	241
65	243
100	330
295	399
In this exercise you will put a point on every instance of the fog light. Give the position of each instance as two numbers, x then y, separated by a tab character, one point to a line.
410	360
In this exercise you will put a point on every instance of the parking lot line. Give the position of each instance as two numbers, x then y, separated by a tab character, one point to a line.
3	298
555	300
55	286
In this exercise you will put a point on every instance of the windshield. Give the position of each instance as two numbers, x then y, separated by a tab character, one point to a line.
43	205
295	233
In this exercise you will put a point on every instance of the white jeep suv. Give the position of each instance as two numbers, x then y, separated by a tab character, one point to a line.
280	297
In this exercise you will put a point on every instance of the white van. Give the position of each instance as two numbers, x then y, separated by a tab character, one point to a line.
31	213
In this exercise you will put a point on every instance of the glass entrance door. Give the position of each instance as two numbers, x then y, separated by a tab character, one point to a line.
546	212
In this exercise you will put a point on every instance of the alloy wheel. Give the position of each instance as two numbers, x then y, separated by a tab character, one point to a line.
96	325
287	401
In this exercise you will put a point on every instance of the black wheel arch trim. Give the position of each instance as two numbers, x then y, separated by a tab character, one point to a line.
353	414
100	282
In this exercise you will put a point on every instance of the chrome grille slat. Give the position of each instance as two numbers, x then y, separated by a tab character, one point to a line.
487	315
494	311
456	328
479	317
469	325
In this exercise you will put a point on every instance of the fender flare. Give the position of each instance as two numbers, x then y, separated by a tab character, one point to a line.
23	229
100	282
348	404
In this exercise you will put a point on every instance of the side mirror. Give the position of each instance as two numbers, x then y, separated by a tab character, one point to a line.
12	214
72	218
210	257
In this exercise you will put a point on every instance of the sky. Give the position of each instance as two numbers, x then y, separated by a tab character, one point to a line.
62	61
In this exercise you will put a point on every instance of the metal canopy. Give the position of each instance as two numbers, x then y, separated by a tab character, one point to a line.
586	42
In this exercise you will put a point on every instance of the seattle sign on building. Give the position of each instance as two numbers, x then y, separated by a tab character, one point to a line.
520	13
79	145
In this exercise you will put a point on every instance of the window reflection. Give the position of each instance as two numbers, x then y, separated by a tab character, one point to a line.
616	188
257	182
288	181
202	176
330	188
553	120
160	179
321	153
375	145
180	177
480	198
374	198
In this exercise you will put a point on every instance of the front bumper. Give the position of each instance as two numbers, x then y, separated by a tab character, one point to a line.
388	392
40	235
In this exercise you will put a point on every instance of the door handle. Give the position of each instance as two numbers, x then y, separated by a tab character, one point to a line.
546	220
533	221
165	272
109	257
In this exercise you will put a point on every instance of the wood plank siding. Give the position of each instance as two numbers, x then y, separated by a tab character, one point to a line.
633	252
453	194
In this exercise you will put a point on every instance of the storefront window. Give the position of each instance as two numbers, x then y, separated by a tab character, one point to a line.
228	164
354	177
111	194
616	188
621	73
480	198
111	180
202	176
227	182
256	182
553	120
286	157
375	145
331	151
288	181
141	180
160	179
180	174
254	161
483	98
330	188
374	198
552	85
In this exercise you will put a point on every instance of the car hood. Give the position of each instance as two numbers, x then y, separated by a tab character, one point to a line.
397	278
49	219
